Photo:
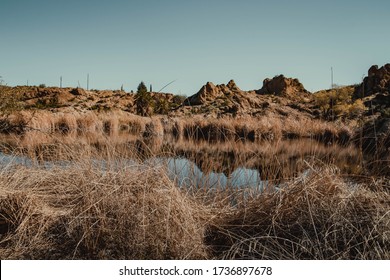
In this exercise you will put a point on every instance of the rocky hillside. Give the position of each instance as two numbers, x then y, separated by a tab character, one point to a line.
375	90
279	96
60	99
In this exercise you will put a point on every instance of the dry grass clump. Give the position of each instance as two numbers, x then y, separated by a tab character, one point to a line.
177	130
213	130
66	122
33	132
154	129
110	126
95	126
253	129
229	129
101	211
13	124
118	209
319	216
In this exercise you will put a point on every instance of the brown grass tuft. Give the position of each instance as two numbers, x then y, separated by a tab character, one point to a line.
320	216
97	212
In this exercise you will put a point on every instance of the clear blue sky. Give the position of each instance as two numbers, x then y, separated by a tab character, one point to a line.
192	42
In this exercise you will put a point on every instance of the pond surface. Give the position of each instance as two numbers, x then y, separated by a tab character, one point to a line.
200	165
185	172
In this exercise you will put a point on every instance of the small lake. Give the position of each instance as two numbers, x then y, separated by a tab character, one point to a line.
183	171
256	166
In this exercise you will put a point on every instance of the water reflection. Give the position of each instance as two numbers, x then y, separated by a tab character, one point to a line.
202	164
183	171
187	174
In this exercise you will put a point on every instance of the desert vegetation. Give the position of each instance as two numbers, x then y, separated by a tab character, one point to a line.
84	174
119	210
339	103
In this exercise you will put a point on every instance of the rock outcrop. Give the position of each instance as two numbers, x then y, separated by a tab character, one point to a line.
278	98
209	92
375	90
377	81
282	86
223	99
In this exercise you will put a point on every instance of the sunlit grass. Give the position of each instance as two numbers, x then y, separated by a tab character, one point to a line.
100	197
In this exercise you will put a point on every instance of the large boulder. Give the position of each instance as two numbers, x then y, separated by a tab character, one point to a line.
282	86
377	81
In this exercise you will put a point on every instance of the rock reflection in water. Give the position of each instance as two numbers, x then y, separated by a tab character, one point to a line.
273	161
203	164
187	174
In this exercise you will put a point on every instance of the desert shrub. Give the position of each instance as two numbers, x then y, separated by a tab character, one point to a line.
100	108
43	104
144	101
9	101
178	100
161	106
10	104
356	108
337	103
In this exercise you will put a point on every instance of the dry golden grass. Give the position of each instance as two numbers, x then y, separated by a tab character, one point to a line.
321	216
118	209
88	211
47	130
254	129
84	208
35	128
81	122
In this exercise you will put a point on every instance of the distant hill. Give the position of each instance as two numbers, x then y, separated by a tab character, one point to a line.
279	96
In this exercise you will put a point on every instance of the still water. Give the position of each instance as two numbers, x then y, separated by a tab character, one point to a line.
183	171
187	174
206	166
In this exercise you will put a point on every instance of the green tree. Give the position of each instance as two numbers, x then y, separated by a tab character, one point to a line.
142	89
144	101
